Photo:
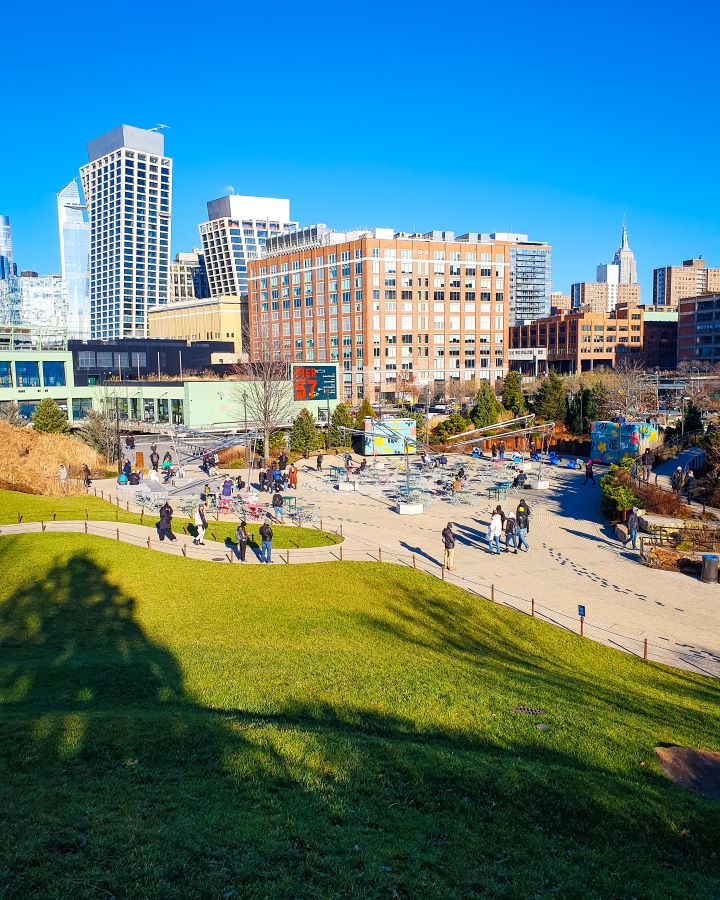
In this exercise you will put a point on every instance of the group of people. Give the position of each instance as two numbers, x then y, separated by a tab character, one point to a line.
279	476
683	483
514	526
498	450
241	532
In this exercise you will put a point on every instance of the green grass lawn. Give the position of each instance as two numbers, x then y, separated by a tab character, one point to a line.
173	728
35	508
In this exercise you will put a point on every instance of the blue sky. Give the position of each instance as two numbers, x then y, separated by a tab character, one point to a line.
551	119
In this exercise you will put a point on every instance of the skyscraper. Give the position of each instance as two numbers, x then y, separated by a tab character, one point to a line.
625	259
9	289
7	267
236	232
128	188
43	301
188	277
75	258
530	278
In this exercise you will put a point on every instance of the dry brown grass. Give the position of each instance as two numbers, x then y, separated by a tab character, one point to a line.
30	461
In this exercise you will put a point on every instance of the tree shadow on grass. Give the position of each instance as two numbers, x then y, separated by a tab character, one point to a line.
117	782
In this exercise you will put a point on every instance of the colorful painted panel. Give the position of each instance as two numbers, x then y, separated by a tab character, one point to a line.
389	436
613	440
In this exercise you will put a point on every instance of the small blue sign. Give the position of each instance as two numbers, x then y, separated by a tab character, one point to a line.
581	611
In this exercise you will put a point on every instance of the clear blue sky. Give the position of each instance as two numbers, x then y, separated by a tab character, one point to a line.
551	119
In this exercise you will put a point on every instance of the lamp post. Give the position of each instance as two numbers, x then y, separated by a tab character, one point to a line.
682	419
117	432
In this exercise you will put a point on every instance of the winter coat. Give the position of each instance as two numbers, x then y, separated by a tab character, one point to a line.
496	525
165	516
448	537
241	535
511	526
633	522
277	501
200	518
266	532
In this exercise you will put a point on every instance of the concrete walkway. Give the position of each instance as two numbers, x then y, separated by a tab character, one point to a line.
574	559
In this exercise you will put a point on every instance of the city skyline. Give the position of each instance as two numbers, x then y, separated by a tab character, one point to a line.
550	173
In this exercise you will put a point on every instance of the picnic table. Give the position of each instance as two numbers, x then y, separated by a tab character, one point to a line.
289	501
499	490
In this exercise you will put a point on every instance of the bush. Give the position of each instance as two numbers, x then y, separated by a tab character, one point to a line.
617	492
663	503
49	418
454	424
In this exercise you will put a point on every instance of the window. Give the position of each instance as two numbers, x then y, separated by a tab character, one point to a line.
5	375
27	374
80	407
53	373
86	359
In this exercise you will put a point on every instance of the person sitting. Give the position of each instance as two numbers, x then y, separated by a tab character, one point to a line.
519	479
456	485
461	473
361	468
153	476
239	483
134	478
442	460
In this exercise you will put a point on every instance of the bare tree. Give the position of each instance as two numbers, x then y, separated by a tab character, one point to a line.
630	393
458	390
265	397
10	413
406	387
98	432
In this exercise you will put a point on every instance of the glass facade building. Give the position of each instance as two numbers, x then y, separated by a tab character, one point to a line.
9	288
530	283
44	301
127	185
74	231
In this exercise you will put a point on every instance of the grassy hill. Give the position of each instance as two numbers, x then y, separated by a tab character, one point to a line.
36	508
171	728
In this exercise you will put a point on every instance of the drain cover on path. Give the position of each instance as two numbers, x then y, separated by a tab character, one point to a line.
529	711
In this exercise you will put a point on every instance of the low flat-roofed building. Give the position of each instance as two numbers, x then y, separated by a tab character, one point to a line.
210	319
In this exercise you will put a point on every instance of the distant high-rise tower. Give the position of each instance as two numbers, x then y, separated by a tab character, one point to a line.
75	258
625	259
9	289
7	267
128	188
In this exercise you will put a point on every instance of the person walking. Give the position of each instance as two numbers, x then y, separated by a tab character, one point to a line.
277	507
494	532
633	523
166	514
266	536
522	517
448	538
63	478
154	459
589	472
676	481
648	458
292	476
523	509
319	462
200	524
493	450
87	480
262	479
282	461
690	485
511	533
501	450
499	510
241	536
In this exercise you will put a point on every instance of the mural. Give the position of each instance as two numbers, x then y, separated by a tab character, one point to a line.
613	440
387	439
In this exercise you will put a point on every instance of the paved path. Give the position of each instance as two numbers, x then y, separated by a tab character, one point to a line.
574	559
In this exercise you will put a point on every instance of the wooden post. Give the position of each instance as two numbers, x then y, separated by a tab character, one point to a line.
287	556
645	649
86	515
414	562
86	531
340	552
148	542
184	550
142	514
492	592
379	554
42	525
54	515
117	531
532	607
442	573
582	623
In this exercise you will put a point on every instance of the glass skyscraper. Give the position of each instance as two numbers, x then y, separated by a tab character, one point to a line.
75	258
9	288
530	282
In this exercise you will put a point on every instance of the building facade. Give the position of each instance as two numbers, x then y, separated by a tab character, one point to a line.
394	309
9	288
603	296
188	277
673	283
211	318
580	340
699	330
74	231
560	302
660	338
128	188
530	281
44	301
236	232
7	266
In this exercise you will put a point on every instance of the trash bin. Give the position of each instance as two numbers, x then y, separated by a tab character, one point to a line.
709	570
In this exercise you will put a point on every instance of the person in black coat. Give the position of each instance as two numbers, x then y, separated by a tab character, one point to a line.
165	528
241	536
448	539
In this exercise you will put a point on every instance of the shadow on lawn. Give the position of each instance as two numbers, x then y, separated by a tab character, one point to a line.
119	783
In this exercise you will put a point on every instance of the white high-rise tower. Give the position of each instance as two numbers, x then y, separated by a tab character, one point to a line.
75	258
128	188
625	259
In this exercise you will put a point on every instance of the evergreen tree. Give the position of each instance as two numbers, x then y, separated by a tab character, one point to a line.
48	417
550	398
304	436
341	417
693	418
485	410
598	404
364	411
512	396
577	410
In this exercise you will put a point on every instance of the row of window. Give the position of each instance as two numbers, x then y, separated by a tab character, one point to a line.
26	373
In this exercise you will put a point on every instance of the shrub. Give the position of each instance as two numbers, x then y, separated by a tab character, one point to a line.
663	503
454	424
617	492
49	418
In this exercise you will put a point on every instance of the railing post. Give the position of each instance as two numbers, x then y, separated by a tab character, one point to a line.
86	531
442	572
532	607
117	531
582	624
148	542
414	562
645	649
492	592
340	552
379	554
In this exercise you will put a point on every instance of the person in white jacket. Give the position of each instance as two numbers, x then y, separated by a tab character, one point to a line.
494	532
200	524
